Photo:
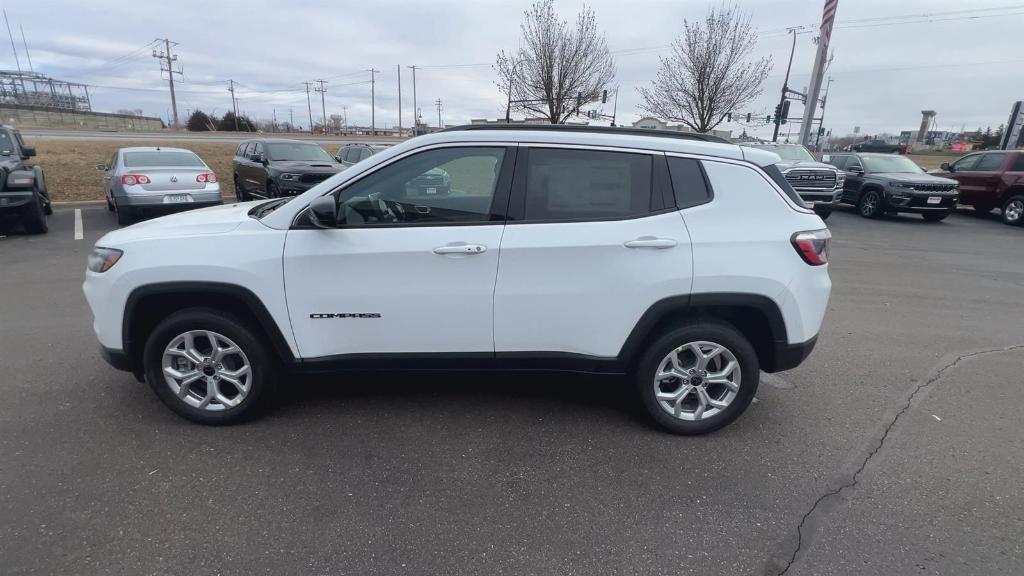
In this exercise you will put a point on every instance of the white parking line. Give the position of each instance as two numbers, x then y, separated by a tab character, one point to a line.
78	224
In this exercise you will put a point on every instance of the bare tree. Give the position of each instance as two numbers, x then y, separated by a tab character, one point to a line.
709	73
555	64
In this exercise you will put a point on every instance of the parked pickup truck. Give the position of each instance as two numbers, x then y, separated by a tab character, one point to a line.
22	188
990	180
818	184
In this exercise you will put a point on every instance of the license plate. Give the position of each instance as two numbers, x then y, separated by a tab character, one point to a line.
177	198
934	200
431	190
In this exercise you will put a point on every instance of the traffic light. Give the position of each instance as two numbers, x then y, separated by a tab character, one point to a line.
728	116
778	112
748	117
579	102
768	119
785	112
821	131
604	97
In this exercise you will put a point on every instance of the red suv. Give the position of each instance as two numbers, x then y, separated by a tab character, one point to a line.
990	180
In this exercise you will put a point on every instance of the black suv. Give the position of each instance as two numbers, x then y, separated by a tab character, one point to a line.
349	154
274	167
881	183
22	187
878	146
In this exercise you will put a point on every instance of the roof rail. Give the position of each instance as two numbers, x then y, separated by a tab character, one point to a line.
624	130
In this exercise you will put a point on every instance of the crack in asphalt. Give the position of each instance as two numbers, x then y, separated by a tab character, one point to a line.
853	478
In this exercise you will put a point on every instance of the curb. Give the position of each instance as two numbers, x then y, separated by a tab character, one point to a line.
79	203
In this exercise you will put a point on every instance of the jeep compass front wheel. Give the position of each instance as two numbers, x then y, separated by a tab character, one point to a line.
208	367
698	378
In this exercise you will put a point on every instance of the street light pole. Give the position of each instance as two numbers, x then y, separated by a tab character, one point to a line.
785	85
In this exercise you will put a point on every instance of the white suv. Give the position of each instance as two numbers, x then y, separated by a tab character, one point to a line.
687	263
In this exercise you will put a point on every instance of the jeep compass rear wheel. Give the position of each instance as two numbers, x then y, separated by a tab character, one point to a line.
208	367
698	378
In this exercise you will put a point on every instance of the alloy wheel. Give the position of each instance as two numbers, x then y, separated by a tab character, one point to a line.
869	204
1013	211
697	380
207	370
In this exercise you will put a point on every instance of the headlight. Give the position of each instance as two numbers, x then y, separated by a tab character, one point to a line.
103	259
290	177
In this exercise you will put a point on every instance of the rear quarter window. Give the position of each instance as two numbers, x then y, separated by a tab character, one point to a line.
688	182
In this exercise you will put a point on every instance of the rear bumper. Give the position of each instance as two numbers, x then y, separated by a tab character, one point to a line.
204	197
788	356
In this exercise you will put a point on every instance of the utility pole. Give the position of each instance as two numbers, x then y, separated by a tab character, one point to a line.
827	18
373	106
13	49
438	103
234	103
399	71
168	59
309	107
274	121
291	120
323	107
785	85
344	118
415	110
25	44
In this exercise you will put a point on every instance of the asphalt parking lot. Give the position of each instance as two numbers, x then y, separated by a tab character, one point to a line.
895	449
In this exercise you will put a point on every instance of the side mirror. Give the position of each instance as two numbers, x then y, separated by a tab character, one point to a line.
857	170
946	167
101	168
323	212
28	151
257	158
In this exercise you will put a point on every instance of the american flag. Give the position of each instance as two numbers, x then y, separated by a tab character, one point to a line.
827	18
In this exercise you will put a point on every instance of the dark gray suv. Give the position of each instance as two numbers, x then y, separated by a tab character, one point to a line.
275	167
887	183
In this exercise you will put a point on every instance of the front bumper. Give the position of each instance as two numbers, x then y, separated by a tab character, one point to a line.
15	200
917	202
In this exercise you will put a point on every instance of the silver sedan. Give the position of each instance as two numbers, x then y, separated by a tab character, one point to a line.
144	181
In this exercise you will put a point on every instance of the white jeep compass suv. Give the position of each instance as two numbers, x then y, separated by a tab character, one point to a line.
685	262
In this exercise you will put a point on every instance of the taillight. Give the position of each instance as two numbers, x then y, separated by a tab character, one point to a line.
133	179
207	177
813	246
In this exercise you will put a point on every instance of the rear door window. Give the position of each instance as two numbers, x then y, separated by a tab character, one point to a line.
1018	164
990	162
569	184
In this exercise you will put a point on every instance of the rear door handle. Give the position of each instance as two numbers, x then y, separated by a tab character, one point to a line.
460	248
650	242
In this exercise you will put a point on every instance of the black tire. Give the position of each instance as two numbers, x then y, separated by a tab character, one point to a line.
110	205
125	216
273	191
40	187
261	380
33	216
870	203
700	330
240	194
823	213
933	217
1013	210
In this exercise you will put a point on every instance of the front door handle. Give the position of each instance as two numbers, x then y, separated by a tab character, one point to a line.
460	248
650	242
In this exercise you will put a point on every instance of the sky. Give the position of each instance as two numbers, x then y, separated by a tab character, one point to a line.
961	60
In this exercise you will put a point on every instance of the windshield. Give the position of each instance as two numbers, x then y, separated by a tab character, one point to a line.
287	151
790	152
155	158
896	164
